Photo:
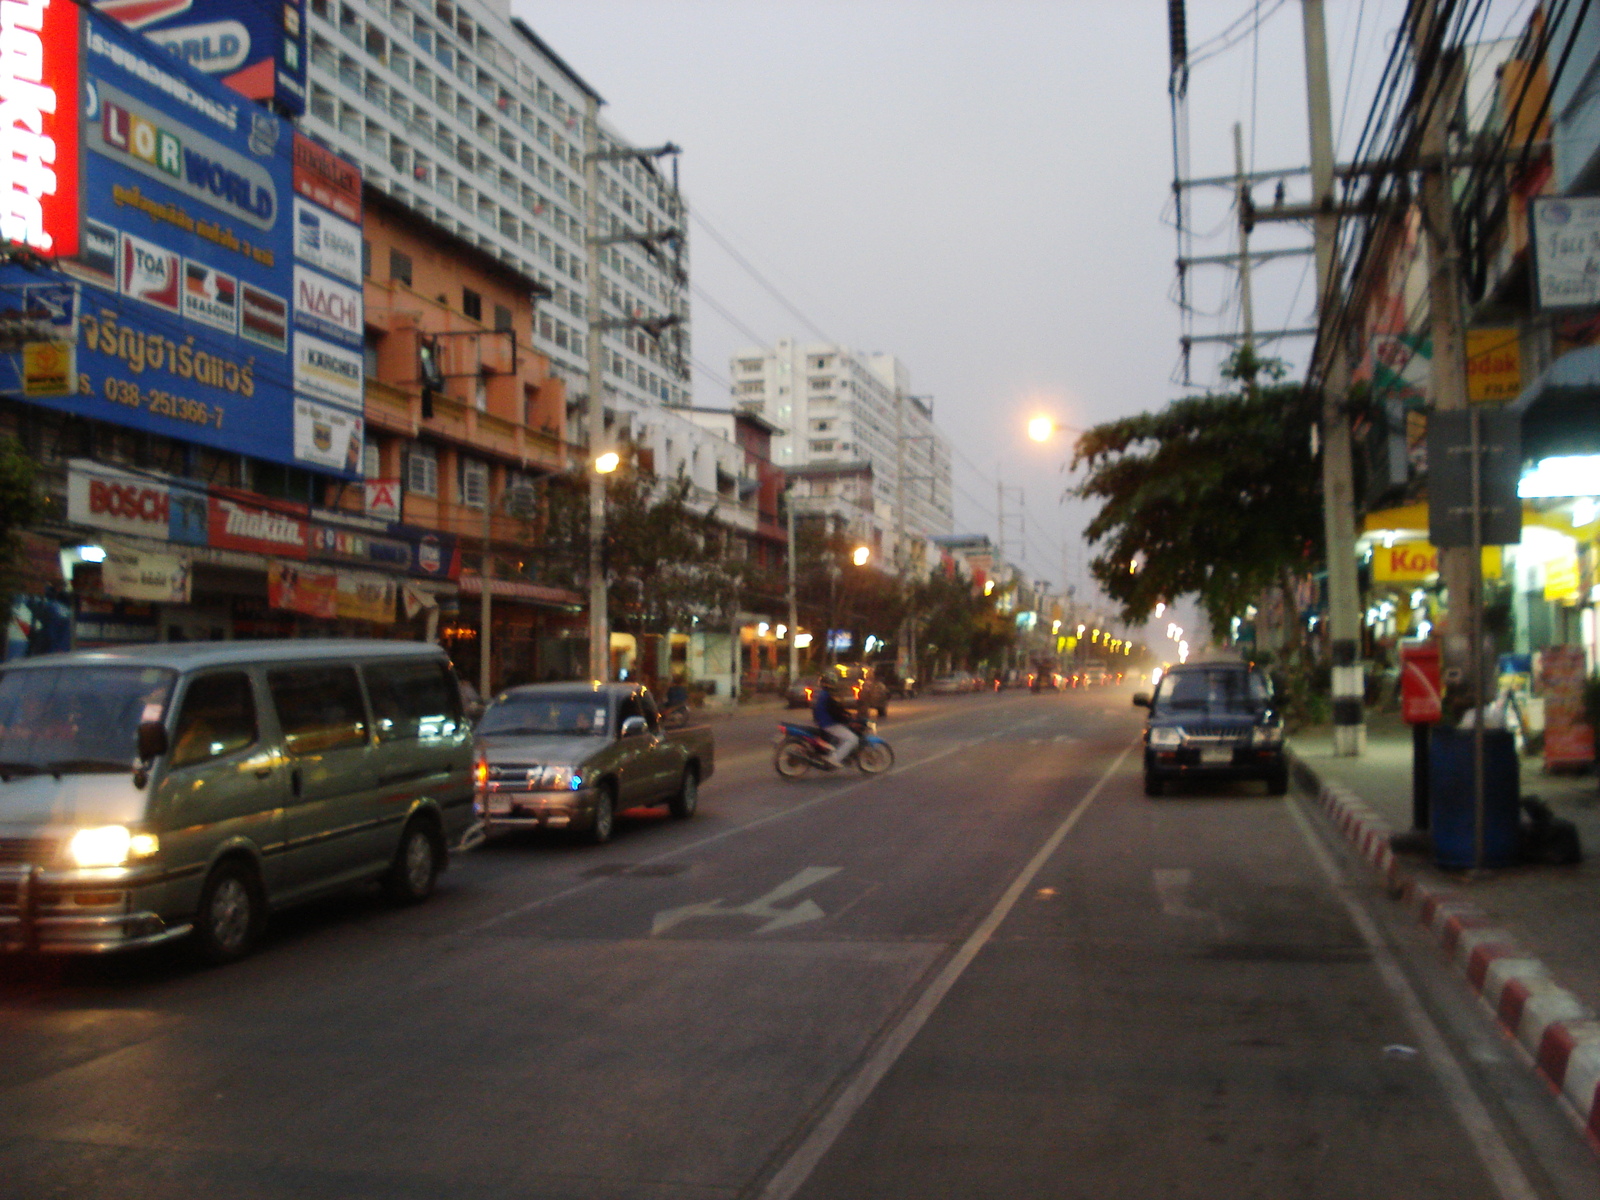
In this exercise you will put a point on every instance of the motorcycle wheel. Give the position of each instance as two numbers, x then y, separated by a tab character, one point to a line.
792	759
875	759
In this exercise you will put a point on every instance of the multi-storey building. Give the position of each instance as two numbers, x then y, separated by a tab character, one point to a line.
460	112
841	406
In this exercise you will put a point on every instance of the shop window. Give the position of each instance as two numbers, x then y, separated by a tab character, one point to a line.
218	718
320	709
412	699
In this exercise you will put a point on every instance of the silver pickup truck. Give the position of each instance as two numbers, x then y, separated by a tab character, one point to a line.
574	755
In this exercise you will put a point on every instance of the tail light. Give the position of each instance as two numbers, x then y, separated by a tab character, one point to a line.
480	772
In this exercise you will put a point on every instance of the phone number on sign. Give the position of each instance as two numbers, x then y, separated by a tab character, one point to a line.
163	404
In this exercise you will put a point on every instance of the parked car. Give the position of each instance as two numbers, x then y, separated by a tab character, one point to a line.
574	755
801	692
903	687
156	791
949	685
1213	720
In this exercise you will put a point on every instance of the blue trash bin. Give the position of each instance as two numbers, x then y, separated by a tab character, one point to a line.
1450	797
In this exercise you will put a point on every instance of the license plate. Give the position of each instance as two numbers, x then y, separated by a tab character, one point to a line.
499	805
1219	754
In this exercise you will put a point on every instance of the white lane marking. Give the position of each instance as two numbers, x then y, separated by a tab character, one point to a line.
1493	1152
762	906
1172	889
691	847
794	1172
1062	739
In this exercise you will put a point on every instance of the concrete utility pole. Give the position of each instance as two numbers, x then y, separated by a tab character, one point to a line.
1338	487
1242	198
1460	567
794	611
599	618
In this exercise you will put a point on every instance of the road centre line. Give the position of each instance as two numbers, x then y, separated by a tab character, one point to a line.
1498	1161
798	1168
680	851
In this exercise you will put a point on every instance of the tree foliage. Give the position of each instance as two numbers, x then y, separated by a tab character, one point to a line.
1215	496
20	503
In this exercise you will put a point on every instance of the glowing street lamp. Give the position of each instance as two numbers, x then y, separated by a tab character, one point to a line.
608	462
861	555
1041	428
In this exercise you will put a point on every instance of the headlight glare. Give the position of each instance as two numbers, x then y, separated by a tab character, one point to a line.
106	846
1166	738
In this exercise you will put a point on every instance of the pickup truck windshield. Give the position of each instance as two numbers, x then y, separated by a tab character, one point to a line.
1218	691
78	718
545	714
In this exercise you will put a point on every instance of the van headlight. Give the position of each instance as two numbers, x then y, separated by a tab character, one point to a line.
1167	739
110	846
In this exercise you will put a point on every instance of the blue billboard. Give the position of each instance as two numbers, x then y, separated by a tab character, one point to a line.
187	273
255	47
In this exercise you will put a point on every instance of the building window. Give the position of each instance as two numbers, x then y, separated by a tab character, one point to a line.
750	364
821	447
472	304
371	461
474	482
422	470
820	385
369	355
366	259
502	317
399	267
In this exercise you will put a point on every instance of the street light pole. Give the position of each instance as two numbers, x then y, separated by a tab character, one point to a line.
599	619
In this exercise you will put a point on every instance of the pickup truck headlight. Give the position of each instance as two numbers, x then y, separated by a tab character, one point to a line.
559	779
1167	739
1266	735
110	846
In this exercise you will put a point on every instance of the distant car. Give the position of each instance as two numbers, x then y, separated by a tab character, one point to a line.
801	692
1213	720
948	685
902	686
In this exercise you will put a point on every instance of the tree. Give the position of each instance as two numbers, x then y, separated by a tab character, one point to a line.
957	622
1216	496
20	505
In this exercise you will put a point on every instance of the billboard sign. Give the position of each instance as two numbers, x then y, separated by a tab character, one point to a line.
255	47
327	241
40	61
187	255
1566	251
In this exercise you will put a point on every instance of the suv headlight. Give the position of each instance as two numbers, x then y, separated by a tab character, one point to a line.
110	846
1266	735
1169	739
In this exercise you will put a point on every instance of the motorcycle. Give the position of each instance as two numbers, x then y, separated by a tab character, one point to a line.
803	748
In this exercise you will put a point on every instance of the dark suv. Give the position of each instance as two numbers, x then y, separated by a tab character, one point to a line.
1213	720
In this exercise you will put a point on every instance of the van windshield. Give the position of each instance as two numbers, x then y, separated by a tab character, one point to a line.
545	714
77	718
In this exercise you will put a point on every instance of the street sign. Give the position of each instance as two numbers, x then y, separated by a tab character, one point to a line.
1450	477
1420	688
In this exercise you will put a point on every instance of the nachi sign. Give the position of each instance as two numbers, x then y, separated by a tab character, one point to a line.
39	204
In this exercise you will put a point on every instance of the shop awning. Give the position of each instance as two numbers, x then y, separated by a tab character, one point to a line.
529	593
1412	520
1560	410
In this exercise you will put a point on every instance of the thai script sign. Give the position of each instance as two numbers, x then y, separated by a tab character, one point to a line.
142	575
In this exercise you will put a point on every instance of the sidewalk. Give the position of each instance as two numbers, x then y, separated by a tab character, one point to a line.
1527	938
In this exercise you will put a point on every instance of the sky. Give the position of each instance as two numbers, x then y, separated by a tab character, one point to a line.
982	188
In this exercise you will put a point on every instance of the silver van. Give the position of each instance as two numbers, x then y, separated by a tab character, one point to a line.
157	791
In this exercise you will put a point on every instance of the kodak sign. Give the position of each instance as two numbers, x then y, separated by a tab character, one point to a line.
39	140
1417	562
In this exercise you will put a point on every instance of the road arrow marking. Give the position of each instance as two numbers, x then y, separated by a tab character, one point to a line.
764	906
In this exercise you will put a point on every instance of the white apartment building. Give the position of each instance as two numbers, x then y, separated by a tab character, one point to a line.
459	111
842	406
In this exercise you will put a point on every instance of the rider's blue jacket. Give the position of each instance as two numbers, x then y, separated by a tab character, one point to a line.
826	710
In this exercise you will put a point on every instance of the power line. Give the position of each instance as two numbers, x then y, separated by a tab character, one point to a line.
770	287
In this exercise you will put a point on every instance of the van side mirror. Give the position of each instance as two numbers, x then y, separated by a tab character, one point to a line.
1141	699
152	740
634	727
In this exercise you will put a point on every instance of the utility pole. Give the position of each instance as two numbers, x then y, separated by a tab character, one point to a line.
1338	486
1460	567
599	619
794	611
1242	196
485	603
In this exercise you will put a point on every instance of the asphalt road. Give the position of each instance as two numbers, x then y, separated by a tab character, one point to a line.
999	971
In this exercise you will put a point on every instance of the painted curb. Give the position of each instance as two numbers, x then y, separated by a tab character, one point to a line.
1558	1031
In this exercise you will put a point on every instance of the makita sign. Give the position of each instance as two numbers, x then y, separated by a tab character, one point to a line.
236	526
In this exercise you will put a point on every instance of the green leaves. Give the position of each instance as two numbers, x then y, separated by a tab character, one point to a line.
1214	496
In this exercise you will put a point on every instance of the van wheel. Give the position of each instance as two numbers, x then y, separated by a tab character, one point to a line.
230	915
687	800
415	869
1278	782
605	815
1152	784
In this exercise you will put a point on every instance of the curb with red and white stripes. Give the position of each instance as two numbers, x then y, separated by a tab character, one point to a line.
1557	1029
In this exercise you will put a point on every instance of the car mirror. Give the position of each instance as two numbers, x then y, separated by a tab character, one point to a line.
634	727
1141	700
152	740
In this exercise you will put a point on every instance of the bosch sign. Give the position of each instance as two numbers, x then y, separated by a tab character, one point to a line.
40	206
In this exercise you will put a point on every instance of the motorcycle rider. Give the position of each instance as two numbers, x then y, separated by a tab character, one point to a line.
833	718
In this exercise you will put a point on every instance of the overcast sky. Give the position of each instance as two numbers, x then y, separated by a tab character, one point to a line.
980	187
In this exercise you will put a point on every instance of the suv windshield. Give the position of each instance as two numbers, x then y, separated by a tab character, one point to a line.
545	714
1222	690
77	718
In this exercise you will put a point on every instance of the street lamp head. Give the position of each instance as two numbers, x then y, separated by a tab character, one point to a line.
608	462
1041	428
861	555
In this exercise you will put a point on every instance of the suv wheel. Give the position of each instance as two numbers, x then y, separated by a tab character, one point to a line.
1152	784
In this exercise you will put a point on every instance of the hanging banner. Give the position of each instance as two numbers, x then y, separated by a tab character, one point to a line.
143	575
1568	740
366	597
303	590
